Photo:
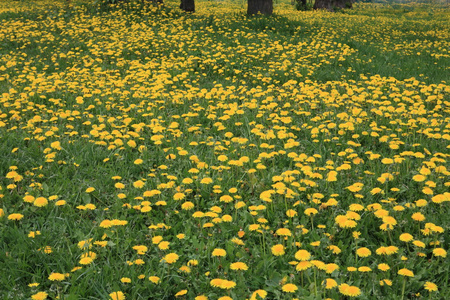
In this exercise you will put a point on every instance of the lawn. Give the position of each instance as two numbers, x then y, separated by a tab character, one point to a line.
148	153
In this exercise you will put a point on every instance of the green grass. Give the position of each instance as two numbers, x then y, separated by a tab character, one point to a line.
258	105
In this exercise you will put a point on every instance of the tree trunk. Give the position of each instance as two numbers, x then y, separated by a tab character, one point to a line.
188	5
264	7
332	5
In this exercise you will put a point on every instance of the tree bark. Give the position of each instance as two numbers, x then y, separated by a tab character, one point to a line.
332	5
188	5
264	7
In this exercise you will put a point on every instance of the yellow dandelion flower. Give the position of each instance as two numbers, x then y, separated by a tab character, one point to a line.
419	244
28	198
278	250
364	269
335	249
164	245
289	288
181	293
283	232
440	252
302	255
15	217
39	296
430	286
154	279
310	211
258	294
349	290
86	260
56	277
226	198
330	268
239	266
125	280
363	252
141	249
171	258
405	237
216	282
405	272
329	283
383	267
303	265
419	178
117	295
206	180
179	196
418	217
227	284
119	185
219	252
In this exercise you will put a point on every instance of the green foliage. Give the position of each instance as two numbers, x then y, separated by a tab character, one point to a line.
132	124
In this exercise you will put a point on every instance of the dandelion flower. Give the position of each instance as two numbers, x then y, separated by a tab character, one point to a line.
216	282
330	268
405	237
227	284
303	265
181	293
419	244
206	180
431	287
440	252
335	249
383	267
278	250
289	288
302	255
258	294
283	232
419	178
117	296
171	258
239	266
125	280
418	217
164	245
39	296
349	290
56	277
86	260
139	184
405	272
310	211
219	252
154	279
329	283
119	185
363	252
157	239
364	269
40	202
15	217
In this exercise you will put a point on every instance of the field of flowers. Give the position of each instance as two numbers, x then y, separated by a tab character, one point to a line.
151	154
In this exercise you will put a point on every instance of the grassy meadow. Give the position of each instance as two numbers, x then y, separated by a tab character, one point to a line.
152	154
